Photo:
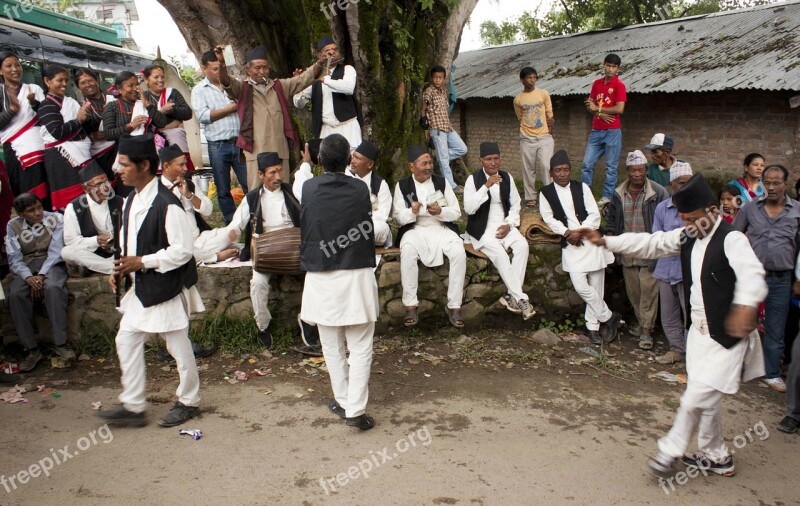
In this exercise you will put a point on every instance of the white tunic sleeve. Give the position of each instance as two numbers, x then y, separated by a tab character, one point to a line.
647	246
402	213
452	211
181	244
546	211
750	288
516	205
384	203
72	232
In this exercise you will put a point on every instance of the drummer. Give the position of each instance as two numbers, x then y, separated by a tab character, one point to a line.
273	206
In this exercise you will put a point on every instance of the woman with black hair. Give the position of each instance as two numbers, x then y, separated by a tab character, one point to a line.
750	183
171	107
22	142
104	151
67	145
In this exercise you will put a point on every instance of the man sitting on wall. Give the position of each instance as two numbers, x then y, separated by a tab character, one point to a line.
362	166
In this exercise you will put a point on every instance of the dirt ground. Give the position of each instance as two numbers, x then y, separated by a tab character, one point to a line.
487	419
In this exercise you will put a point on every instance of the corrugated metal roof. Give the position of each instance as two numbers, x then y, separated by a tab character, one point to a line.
755	48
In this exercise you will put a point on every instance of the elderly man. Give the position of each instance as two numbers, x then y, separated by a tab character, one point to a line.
210	245
724	283
492	202
88	226
362	166
340	294
272	206
425	209
265	124
660	148
568	206
333	103
34	240
668	272
772	225
632	209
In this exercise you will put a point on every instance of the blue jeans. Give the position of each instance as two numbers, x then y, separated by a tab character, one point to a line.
224	156
449	146
608	142
776	310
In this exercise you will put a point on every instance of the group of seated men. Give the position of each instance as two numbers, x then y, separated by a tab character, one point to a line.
424	208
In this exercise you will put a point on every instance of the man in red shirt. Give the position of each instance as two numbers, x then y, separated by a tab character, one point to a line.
606	103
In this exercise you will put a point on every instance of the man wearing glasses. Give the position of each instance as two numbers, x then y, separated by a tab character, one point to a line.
772	225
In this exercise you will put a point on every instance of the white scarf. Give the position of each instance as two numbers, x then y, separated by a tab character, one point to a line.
77	152
25	140
175	135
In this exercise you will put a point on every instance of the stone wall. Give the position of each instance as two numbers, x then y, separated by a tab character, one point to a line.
712	131
226	291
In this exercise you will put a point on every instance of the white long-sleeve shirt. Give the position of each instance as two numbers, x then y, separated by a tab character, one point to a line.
274	214
101	218
382	203
475	198
346	85
174	313
403	214
205	209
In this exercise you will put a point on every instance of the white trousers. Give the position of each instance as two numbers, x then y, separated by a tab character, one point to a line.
350	130
349	377
95	263
259	294
700	409
209	243
409	273
382	233
512	272
590	286
130	350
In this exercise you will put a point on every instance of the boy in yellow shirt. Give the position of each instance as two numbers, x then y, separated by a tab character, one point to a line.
535	113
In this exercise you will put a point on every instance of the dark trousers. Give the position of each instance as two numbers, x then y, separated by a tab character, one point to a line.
55	301
793	383
224	156
776	309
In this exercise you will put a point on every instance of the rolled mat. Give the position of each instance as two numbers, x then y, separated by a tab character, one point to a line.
536	230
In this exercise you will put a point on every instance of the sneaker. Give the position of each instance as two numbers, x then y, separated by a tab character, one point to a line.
603	202
179	414
703	462
594	337
776	384
122	416
65	353
265	338
510	304
458	190
28	363
671	357
661	464
526	309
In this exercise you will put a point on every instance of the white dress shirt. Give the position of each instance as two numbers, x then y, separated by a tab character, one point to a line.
101	218
206	207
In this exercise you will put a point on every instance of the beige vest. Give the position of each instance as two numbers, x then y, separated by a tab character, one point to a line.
34	241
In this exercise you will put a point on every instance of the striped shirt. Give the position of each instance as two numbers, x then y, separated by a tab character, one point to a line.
634	223
206	98
50	117
437	110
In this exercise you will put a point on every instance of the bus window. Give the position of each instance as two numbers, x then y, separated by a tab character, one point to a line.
32	72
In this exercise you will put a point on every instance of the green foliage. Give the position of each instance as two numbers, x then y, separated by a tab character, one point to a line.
564	327
574	16
189	75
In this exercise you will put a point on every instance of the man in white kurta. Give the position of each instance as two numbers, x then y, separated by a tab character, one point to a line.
169	319
713	370
346	85
585	262
82	250
362	166
210	246
340	294
274	216
426	217
500	234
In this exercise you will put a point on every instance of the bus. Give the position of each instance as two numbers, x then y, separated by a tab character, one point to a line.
47	42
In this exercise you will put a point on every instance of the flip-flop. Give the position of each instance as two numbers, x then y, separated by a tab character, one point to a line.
455	322
412	316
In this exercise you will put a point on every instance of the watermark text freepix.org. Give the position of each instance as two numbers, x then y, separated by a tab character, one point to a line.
56	458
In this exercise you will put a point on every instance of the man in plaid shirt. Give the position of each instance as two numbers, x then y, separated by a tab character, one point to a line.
436	121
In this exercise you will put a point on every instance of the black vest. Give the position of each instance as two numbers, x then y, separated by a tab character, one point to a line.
576	189
718	280
153	287
375	183
336	224
409	191
81	207
476	223
344	106
253	198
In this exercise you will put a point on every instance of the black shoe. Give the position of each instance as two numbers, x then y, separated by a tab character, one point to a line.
788	425
28	363
363	422
311	351
595	337
9	379
702	462
612	326
179	414
122	416
308	333
201	351
336	409
265	338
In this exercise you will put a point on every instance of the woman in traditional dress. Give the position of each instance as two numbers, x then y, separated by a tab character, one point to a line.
104	151
750	182
171	107
23	146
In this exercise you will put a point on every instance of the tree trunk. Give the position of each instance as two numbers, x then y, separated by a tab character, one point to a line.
391	44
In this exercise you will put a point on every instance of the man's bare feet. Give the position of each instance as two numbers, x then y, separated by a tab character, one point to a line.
226	254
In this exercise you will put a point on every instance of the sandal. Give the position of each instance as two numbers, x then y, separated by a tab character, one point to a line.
454	315
646	342
412	316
